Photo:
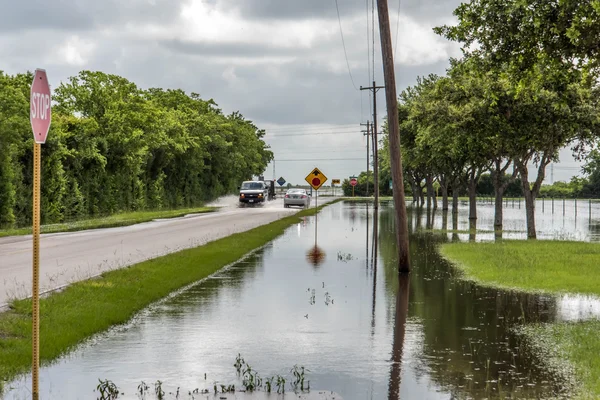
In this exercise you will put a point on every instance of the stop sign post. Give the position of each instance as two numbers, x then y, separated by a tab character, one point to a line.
40	115
353	182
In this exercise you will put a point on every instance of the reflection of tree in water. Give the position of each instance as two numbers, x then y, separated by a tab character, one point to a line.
232	278
468	347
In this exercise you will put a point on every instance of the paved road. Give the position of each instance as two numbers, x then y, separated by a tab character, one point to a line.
70	257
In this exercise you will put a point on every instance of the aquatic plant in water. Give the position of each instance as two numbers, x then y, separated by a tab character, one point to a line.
143	388
160	393
251	381
107	389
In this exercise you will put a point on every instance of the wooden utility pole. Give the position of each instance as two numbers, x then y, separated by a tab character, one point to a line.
368	133
375	88
387	55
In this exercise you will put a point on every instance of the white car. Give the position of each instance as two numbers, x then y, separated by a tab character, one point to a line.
296	197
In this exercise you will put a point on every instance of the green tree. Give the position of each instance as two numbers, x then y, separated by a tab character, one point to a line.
538	51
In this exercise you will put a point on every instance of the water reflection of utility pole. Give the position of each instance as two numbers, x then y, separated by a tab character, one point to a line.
367	242
374	258
399	333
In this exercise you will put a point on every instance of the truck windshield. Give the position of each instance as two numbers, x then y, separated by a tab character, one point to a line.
252	185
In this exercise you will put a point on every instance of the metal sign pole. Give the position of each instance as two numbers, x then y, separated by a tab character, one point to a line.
316	214
35	309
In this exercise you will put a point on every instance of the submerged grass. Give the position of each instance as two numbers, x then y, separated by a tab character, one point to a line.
574	343
88	307
112	221
551	267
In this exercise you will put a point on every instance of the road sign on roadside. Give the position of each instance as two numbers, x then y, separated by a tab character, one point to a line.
40	112
335	181
353	181
281	181
40	115
316	179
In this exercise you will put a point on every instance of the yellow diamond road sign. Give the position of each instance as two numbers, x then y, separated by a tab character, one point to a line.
316	179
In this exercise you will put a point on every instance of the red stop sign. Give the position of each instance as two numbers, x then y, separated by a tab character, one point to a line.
316	182
40	111
353	181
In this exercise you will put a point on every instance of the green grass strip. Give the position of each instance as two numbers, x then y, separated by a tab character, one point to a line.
88	307
112	221
550	267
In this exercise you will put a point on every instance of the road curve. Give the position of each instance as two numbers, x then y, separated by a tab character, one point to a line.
74	256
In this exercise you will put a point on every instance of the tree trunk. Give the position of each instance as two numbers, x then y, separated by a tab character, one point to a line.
497	174
472	197
530	192
498	211
421	196
472	229
444	220
418	225
435	205
415	192
444	187
429	219
429	183
530	212
454	200
454	227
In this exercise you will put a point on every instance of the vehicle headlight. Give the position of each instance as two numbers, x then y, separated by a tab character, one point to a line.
260	195
242	195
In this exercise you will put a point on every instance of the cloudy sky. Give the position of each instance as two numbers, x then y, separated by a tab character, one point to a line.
281	63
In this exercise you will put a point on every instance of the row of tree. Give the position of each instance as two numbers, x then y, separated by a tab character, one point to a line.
114	147
526	87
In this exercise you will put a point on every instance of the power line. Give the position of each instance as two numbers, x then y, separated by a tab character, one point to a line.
309	134
368	58
296	153
344	44
397	29
321	159
355	146
368	47
294	128
373	37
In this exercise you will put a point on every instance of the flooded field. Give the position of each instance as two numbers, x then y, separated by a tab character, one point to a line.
358	328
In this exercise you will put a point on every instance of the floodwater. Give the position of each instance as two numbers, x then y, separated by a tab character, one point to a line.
556	219
360	329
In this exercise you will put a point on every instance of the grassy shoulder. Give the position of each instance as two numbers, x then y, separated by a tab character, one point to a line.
88	307
550	267
543	265
112	221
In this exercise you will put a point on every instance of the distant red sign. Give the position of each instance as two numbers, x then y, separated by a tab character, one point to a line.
40	111
353	182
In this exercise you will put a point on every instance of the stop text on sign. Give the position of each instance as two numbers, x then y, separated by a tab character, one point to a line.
40	105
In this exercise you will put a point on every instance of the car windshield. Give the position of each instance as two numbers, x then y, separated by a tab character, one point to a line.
296	191
252	185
